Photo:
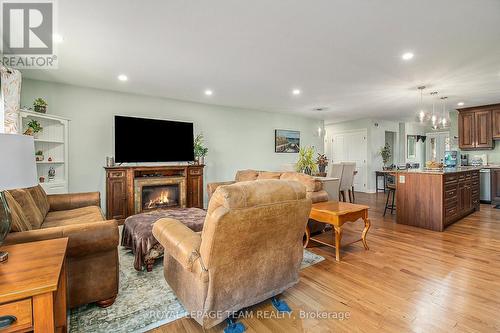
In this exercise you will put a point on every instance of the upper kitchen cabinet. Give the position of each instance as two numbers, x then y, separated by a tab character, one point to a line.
478	127
495	115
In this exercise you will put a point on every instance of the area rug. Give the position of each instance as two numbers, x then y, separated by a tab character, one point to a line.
145	301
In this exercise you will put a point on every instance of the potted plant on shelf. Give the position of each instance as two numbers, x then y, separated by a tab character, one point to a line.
322	162
34	127
40	105
200	151
306	163
39	156
385	152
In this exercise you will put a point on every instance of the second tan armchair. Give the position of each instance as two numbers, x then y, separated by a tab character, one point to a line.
250	248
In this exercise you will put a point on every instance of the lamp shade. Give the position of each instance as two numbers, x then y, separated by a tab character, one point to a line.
17	161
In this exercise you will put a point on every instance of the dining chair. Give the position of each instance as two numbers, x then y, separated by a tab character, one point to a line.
347	180
335	171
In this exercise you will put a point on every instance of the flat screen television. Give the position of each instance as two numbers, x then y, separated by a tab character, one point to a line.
152	140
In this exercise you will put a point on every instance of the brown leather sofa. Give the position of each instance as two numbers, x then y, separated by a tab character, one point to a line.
250	248
92	254
314	188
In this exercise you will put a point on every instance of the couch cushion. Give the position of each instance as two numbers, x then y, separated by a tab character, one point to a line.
29	207
38	194
309	182
19	220
268	175
73	216
246	175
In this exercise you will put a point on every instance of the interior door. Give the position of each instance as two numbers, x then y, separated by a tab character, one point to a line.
352	147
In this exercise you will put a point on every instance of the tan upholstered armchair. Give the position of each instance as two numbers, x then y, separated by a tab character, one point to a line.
250	248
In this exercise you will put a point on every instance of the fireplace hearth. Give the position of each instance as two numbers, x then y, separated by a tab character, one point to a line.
159	193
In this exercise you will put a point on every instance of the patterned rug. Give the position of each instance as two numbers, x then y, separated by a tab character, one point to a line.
145	301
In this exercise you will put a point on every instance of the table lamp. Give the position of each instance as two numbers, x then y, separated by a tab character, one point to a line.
17	170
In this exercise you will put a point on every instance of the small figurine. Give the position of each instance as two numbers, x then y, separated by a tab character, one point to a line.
52	174
41	179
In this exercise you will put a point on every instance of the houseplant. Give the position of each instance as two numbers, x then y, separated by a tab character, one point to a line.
385	152
33	128
322	162
306	163
200	151
40	105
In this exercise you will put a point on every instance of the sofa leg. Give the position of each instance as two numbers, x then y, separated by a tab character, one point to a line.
106	302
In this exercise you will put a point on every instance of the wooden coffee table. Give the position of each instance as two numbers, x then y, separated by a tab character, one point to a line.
336	214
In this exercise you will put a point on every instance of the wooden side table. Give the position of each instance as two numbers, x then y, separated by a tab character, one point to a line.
33	287
336	214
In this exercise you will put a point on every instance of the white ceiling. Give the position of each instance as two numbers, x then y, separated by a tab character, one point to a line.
342	54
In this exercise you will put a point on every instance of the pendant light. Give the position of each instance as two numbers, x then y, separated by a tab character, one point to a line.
434	116
444	121
422	115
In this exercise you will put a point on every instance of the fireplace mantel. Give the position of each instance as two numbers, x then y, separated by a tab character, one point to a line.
120	186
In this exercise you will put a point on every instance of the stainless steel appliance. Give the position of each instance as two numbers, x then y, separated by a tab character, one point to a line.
485	185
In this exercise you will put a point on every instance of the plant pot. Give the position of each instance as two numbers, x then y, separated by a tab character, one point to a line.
308	171
40	108
29	132
200	160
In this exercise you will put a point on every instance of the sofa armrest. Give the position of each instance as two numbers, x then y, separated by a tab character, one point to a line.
83	239
73	200
179	241
211	187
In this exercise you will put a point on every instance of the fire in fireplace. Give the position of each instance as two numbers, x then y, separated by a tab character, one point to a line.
160	196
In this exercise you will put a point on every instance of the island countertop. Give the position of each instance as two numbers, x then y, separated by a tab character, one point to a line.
442	171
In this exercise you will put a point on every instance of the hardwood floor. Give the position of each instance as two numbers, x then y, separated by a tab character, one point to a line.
411	280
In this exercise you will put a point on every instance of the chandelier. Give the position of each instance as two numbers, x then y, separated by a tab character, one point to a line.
422	115
444	121
434	116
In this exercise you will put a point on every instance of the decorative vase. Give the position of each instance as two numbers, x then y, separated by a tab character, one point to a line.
322	168
40	108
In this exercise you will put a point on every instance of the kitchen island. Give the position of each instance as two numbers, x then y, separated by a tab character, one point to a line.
434	199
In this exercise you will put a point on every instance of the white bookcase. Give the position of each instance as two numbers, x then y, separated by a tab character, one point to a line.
53	142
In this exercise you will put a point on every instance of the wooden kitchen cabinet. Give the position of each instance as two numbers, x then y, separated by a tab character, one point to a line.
466	130
495	115
478	126
483	126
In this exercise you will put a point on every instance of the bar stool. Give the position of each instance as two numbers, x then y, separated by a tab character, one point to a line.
391	191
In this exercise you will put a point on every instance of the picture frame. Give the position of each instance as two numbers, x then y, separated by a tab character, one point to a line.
286	141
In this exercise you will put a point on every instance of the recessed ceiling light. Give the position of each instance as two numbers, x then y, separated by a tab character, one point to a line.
209	92
296	92
122	77
460	103
407	56
56	38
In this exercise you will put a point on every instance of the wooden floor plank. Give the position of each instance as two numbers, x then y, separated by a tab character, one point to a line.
411	280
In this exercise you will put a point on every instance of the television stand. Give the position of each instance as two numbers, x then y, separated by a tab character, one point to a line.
120	186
